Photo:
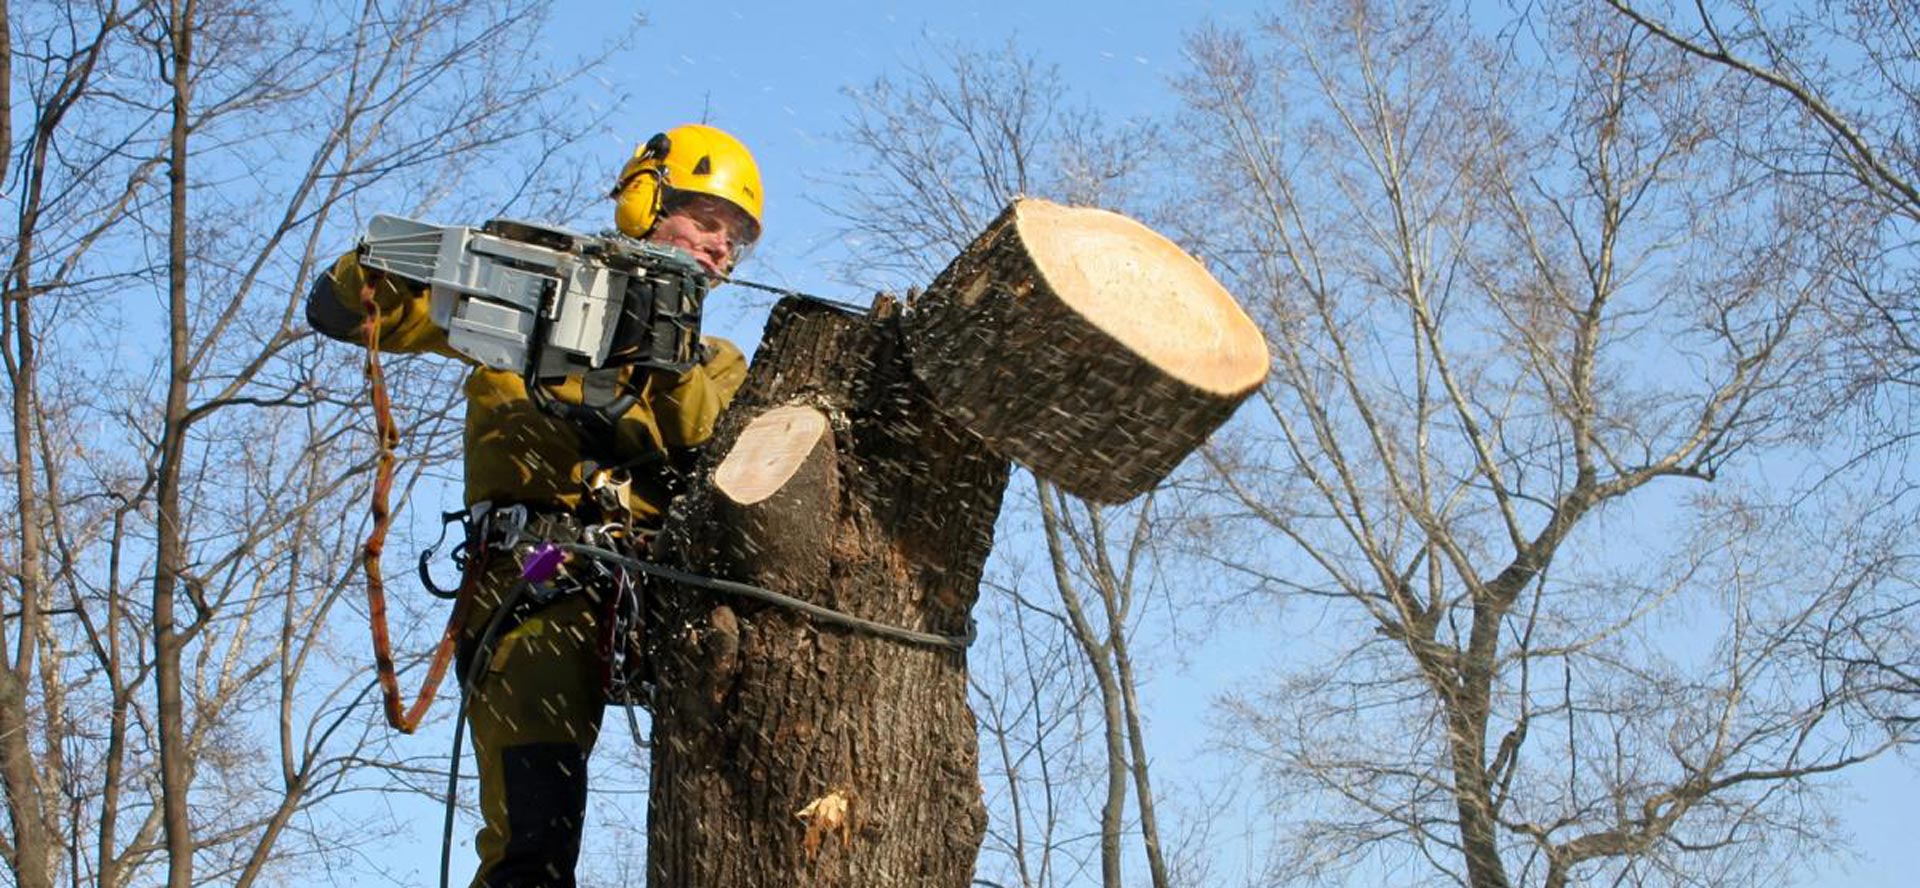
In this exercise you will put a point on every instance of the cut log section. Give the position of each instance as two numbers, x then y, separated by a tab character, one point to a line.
770	451
773	497
1086	346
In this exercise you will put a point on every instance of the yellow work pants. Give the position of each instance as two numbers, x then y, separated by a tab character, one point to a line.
534	712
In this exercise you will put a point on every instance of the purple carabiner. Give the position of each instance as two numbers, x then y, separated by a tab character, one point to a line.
543	563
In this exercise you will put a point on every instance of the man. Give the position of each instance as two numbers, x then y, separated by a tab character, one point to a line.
533	673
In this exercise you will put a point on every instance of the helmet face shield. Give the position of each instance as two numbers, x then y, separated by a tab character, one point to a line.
717	233
710	213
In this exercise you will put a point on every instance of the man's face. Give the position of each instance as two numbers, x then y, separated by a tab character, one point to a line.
714	231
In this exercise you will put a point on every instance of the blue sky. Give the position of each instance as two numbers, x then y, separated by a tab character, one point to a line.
776	74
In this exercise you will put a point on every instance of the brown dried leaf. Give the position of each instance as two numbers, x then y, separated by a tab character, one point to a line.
826	815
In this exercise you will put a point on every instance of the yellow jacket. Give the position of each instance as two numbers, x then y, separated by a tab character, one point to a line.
518	453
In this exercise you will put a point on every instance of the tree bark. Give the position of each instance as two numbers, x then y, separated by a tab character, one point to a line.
30	850
790	750
1086	346
169	640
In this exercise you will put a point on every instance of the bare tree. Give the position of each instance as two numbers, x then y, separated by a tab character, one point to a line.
185	169
1033	701
1538	341
948	145
1847	75
1843	81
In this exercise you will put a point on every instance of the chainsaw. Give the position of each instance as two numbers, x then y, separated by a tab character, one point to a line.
545	302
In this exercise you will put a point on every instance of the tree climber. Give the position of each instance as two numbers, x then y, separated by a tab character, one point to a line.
534	667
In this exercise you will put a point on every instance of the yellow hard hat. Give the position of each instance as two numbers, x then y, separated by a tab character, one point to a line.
695	159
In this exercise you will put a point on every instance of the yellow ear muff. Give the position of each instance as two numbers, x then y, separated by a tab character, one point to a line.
640	190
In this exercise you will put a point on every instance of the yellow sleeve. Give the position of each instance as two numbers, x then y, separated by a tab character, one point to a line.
406	323
687	407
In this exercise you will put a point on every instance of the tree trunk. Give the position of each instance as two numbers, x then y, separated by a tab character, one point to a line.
790	750
30	848
1473	793
1086	346
169	639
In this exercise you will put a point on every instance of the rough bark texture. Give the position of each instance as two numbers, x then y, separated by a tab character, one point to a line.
763	712
1004	355
29	850
170	551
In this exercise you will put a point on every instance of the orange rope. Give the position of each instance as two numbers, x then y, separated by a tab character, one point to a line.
389	437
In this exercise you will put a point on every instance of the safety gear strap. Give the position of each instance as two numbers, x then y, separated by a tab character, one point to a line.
603	401
406	718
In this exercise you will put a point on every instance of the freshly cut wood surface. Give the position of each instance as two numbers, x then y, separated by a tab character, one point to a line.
769	451
1085	345
1147	293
